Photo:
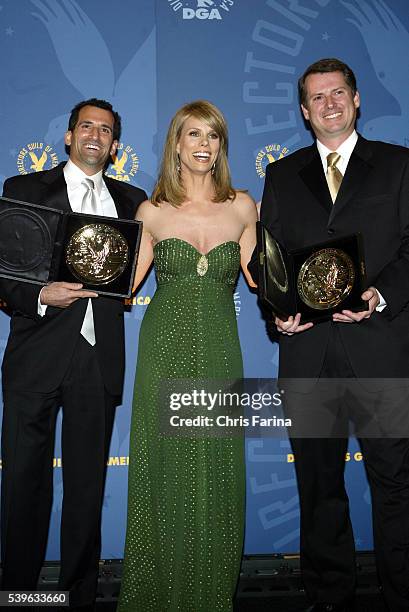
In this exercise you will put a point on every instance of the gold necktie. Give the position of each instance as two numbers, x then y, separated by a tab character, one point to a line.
334	176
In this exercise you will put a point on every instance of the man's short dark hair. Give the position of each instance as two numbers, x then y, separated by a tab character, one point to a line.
73	120
331	64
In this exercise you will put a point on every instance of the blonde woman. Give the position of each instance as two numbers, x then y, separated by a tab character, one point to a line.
186	495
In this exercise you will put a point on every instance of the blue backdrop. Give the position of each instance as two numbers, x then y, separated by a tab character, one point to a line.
148	58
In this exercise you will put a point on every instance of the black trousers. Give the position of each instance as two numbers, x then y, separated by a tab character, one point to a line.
327	542
27	477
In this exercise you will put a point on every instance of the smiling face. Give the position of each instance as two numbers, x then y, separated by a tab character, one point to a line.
91	141
198	146
330	107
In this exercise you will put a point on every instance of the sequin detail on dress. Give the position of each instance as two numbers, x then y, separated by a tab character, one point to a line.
186	496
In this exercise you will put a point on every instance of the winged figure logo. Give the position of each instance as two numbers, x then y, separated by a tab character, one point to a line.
38	164
377	22
119	163
272	159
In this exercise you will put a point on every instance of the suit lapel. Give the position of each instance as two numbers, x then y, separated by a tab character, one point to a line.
117	195
358	167
313	176
56	189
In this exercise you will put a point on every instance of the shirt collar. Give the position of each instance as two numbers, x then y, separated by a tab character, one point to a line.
74	175
345	149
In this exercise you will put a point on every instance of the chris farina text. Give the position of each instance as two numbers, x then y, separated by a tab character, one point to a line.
225	421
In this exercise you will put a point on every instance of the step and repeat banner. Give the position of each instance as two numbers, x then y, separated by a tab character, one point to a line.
148	58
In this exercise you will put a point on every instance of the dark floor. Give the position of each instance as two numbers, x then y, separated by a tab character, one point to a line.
267	584
294	604
364	603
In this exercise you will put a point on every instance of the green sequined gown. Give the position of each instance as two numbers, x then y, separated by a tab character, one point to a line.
186	496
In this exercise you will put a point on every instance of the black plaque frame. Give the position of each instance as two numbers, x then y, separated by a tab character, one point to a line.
279	269
33	239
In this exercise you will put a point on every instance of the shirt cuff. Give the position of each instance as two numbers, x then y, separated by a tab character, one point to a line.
382	303
41	308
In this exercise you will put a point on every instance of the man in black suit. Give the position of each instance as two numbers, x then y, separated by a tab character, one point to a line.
66	348
302	205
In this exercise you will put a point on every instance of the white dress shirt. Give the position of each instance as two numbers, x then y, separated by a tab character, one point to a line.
76	190
344	150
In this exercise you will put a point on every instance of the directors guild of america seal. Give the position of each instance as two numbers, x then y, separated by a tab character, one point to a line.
97	254
326	278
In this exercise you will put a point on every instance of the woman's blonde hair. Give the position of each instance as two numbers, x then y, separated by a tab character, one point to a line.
169	186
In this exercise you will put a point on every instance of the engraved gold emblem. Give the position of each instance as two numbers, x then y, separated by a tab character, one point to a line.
97	254
326	278
202	265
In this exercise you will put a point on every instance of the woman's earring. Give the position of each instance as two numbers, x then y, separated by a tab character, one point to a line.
213	167
178	165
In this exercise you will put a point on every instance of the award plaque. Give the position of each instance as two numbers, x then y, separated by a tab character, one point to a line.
40	245
316	281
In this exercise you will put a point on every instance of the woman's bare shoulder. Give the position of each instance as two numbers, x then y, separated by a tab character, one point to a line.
147	210
245	205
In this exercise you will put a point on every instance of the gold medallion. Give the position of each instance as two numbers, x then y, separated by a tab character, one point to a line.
326	278
97	254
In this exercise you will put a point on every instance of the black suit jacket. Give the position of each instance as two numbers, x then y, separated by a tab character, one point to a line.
39	349
374	200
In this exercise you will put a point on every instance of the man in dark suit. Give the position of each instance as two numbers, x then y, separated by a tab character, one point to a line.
66	348
305	202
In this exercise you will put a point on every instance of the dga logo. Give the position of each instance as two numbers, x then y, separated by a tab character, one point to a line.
125	164
202	9
269	154
36	156
138	300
